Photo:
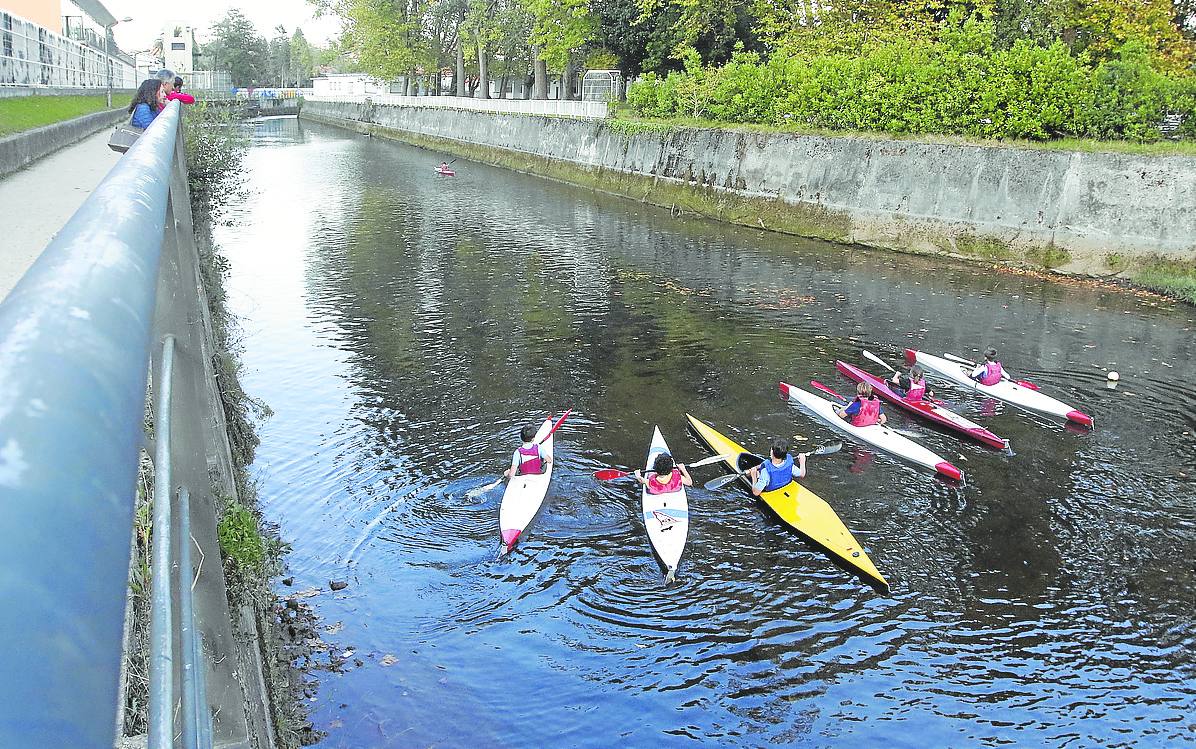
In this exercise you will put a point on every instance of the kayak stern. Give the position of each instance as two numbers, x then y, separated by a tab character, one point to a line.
1079	417
950	471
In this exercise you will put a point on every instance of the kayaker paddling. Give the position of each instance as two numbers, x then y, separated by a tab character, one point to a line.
530	457
667	476
779	470
912	386
864	410
989	371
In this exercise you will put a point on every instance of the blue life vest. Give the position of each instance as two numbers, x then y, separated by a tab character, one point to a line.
779	476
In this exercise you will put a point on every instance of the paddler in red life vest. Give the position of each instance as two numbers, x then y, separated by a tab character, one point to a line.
864	410
666	477
531	457
911	387
779	470
989	371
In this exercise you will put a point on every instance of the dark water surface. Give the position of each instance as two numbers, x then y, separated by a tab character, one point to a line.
403	326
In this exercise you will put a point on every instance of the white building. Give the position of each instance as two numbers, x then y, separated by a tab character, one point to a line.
178	47
65	43
348	84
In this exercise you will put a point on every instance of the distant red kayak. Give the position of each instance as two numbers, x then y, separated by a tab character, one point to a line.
445	172
941	416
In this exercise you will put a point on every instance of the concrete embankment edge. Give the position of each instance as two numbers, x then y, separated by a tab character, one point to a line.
1083	212
22	149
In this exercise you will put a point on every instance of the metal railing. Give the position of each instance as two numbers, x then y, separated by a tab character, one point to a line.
31	55
596	110
75	339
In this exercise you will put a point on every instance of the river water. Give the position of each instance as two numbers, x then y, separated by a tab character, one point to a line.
402	326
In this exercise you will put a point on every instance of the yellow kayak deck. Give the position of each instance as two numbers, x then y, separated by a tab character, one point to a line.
801	508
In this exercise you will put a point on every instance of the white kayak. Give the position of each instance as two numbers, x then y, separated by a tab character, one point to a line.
1010	392
524	494
666	516
878	436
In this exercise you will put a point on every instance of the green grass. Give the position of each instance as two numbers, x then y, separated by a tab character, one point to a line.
18	113
623	120
1174	278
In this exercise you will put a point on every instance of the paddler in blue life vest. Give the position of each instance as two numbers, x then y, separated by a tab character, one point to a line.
667	476
911	387
530	457
780	469
989	371
864	410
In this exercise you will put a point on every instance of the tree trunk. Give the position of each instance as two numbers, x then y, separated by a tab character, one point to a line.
483	73
412	86
541	85
460	65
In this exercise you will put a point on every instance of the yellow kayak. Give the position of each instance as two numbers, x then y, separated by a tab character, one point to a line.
800	508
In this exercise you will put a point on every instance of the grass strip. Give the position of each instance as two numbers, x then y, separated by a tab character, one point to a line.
20	113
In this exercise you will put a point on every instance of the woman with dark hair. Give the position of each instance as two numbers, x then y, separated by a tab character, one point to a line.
146	103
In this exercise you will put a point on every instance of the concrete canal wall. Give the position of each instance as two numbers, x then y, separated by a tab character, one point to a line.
1073	211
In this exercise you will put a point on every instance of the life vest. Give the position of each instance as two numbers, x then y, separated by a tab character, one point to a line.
530	460
779	476
668	487
916	391
991	374
868	414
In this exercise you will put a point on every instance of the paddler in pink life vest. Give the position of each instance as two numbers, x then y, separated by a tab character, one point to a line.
989	371
864	410
911	387
666	477
779	470
530	457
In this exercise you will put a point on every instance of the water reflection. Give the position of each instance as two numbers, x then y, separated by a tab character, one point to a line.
402	327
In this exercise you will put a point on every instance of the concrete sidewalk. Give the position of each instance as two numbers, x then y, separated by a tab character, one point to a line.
37	201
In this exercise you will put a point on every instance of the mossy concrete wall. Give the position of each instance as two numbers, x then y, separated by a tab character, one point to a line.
1056	209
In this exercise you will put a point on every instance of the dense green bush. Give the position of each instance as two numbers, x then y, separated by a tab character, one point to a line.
958	84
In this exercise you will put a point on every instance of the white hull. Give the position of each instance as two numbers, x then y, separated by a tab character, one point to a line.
666	516
1010	392
878	436
523	496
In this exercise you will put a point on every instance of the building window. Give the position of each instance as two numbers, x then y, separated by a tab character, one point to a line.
178	45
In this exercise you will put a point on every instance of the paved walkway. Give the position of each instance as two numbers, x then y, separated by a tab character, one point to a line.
37	201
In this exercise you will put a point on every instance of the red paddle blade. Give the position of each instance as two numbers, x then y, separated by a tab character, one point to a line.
825	389
606	474
556	426
1027	384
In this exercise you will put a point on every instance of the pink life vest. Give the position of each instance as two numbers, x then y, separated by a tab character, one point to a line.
670	486
868	414
530	461
991	374
916	391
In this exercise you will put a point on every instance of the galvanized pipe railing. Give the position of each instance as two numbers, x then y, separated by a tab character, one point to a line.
161	671
74	342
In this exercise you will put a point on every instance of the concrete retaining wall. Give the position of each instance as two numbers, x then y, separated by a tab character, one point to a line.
1085	212
21	149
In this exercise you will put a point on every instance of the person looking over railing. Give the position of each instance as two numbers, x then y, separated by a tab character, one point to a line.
178	94
147	102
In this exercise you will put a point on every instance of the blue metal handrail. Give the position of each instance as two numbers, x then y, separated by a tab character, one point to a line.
74	342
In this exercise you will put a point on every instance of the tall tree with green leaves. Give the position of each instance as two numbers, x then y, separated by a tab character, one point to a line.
302	58
237	48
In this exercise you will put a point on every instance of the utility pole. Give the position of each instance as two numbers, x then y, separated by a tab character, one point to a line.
108	54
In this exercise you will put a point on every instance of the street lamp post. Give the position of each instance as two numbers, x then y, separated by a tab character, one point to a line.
108	53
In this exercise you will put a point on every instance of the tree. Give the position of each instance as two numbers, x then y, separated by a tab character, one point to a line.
279	57
237	48
302	59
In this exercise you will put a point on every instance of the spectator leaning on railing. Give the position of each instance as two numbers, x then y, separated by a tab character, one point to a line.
147	102
178	94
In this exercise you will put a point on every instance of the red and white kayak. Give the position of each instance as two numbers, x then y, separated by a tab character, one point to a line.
666	516
878	436
925	409
445	172
524	494
1010	392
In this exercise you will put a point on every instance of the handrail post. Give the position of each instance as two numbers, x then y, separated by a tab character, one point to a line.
161	662
193	710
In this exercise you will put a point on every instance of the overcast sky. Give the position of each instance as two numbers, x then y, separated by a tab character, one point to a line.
151	16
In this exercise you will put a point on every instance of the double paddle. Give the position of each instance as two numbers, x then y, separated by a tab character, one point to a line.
721	481
818	385
483	489
873	357
1007	378
609	474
